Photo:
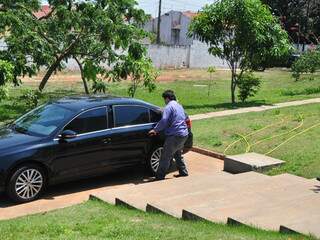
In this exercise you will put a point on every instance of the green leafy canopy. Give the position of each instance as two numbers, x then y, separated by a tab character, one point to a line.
244	33
92	32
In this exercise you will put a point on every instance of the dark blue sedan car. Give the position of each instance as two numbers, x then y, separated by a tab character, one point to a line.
77	137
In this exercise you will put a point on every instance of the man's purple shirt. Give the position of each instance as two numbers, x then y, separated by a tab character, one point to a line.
173	120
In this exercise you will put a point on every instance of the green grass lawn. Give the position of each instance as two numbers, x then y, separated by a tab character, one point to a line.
96	220
277	86
270	129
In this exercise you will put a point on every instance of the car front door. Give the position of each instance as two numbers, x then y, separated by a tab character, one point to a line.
87	153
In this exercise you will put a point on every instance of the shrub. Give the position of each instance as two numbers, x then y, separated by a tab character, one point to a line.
309	62
6	77
31	98
306	91
248	85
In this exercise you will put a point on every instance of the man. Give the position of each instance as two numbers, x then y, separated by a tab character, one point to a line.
173	123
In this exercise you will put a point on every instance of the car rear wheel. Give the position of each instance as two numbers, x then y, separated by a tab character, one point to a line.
154	159
26	183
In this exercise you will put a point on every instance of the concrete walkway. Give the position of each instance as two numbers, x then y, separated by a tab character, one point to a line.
280	203
253	109
69	194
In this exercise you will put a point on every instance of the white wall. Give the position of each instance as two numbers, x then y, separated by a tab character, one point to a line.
194	56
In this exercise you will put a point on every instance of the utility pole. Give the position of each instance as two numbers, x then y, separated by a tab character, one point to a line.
159	23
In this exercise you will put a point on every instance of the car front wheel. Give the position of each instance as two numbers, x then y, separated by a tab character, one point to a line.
26	183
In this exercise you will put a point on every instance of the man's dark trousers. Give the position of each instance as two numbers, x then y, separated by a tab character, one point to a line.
172	148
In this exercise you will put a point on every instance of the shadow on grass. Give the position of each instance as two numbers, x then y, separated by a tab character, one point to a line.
227	105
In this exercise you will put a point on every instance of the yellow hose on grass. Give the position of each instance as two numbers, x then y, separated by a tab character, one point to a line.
250	134
294	136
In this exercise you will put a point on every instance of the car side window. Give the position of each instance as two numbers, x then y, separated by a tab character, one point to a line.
130	115
90	121
155	116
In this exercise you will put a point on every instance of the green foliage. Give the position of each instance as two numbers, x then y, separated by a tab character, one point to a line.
141	72
99	86
309	62
306	91
301	19
31	98
211	70
92	31
248	85
6	77
244	33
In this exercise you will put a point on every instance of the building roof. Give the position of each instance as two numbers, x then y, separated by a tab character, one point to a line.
44	11
190	14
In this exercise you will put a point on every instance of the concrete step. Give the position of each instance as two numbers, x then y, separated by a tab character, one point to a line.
152	187
139	196
139	199
294	178
309	226
173	205
300	212
238	202
250	162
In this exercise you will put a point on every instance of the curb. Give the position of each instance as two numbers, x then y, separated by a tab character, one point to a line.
208	153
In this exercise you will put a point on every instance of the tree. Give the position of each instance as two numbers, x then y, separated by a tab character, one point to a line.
309	62
300	18
139	72
91	32
243	33
6	77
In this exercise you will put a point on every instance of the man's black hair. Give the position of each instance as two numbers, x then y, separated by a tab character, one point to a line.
169	94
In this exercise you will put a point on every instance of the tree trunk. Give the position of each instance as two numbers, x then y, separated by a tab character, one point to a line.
85	84
233	85
49	72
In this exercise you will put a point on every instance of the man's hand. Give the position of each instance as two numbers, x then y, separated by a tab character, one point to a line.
152	133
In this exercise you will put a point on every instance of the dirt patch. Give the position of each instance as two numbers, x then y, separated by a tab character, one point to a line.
169	75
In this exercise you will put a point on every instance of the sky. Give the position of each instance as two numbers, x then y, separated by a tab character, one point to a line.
152	6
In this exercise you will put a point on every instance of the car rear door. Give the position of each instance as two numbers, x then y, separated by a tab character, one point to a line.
129	135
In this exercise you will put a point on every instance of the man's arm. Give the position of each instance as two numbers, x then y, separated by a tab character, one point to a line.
163	123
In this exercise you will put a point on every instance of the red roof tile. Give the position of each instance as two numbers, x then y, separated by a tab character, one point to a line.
190	14
44	11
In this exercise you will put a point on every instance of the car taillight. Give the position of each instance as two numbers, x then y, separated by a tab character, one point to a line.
189	123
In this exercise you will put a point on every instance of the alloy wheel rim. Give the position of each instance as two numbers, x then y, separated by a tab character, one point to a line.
155	159
29	184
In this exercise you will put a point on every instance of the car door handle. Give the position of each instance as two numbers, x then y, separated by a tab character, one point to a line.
106	140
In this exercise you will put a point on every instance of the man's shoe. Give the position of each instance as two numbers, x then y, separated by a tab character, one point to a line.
181	175
318	178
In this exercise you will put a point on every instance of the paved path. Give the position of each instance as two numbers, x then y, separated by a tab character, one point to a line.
253	109
77	192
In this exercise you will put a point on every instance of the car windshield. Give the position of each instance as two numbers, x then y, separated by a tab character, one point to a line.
43	120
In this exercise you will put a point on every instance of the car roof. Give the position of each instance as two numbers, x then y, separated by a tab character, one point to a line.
81	103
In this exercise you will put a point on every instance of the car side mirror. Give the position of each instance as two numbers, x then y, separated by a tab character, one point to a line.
67	134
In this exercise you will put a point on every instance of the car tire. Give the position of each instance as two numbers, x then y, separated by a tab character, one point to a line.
26	183
154	159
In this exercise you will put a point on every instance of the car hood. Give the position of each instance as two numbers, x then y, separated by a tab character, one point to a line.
10	138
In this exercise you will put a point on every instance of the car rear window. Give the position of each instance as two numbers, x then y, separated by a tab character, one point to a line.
130	115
